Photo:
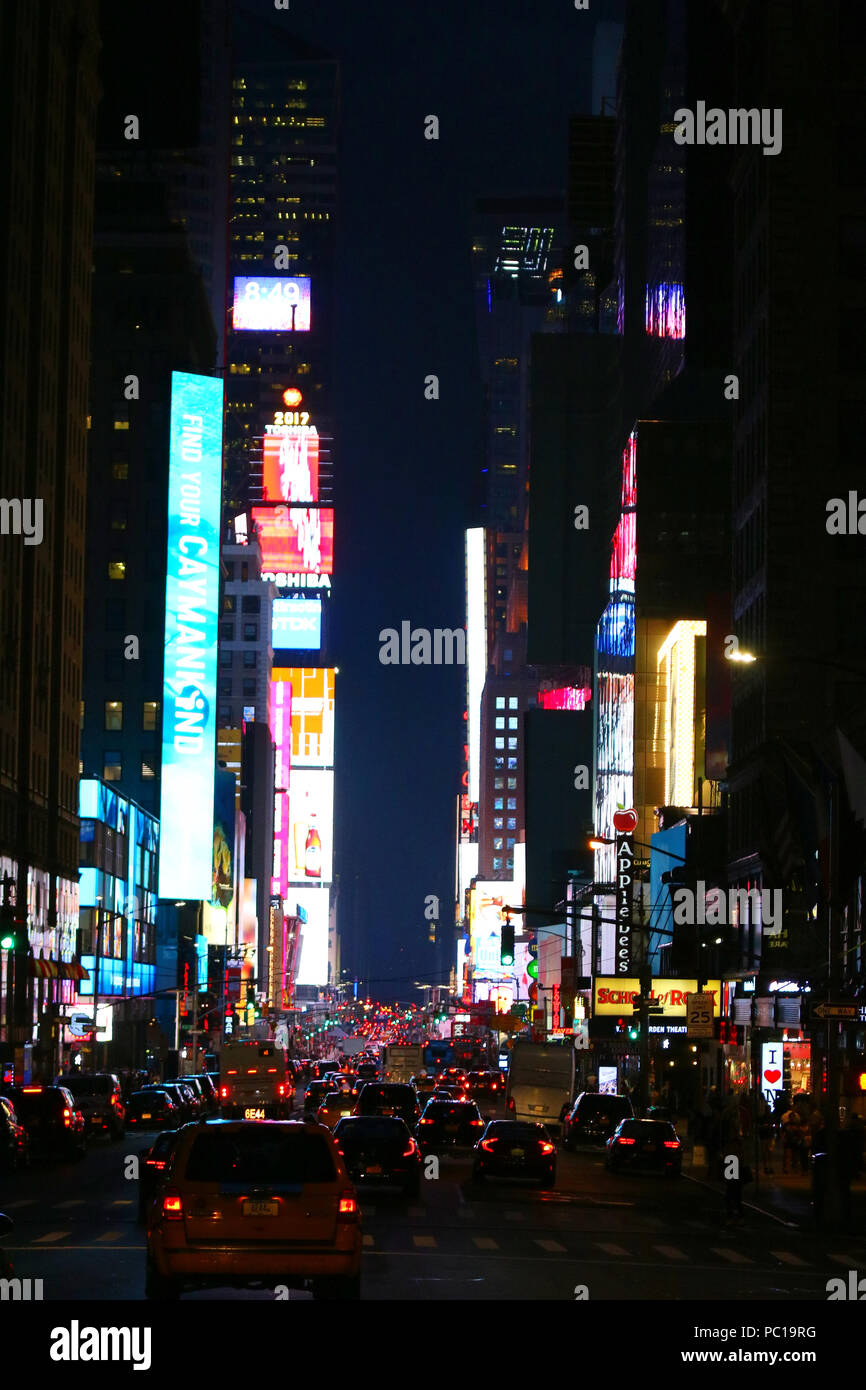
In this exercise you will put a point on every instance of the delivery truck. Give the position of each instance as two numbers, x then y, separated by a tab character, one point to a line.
540	1082
402	1061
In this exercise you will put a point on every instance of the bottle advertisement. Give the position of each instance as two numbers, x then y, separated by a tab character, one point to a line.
311	819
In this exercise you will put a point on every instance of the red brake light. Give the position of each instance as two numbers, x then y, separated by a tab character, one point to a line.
672	1143
546	1148
476	1122
487	1145
281	1090
425	1122
172	1207
348	1206
67	1116
155	1162
224	1091
622	1140
31	1090
407	1153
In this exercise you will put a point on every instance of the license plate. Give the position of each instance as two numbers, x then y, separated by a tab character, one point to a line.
147	1116
451	1129
261	1208
518	1153
253	1113
649	1148
374	1167
537	1109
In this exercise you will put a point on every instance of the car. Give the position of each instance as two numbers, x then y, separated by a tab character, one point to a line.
444	1093
182	1098
153	1168
262	1202
99	1097
7	1226
368	1071
200	1094
208	1091
153	1107
379	1151
389	1098
455	1077
192	1103
485	1083
334	1106
652	1144
449	1124
593	1118
14	1139
54	1124
424	1088
315	1094
515	1149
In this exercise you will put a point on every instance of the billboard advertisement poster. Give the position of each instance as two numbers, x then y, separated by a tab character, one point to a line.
281	725
312	713
313	967
297	624
271	303
191	623
311	826
296	540
290	471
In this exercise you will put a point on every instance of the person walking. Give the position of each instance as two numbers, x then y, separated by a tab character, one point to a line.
793	1141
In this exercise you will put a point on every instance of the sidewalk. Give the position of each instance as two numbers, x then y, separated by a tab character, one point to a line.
786	1195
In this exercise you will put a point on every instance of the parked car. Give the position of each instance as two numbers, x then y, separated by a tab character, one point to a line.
99	1097
515	1149
55	1126
152	1108
593	1118
652	1144
14	1140
287	1212
380	1152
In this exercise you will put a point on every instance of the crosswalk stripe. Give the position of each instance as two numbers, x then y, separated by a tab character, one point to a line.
424	1242
51	1237
790	1259
107	1236
733	1256
368	1240
485	1243
610	1249
553	1246
670	1252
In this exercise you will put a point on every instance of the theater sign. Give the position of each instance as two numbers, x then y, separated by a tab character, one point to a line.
617	996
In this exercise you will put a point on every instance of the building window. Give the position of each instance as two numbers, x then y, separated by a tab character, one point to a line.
112	766
117	569
497	864
512	723
149	712
118	517
512	743
498	783
250	659
512	783
227	632
225	687
512	823
512	702
148	767
500	702
500	724
499	762
121	418
251	632
497	823
512	803
251	604
249	687
224	716
245	571
499	743
226	659
229	569
497	844
512	763
120	471
509	863
509	842
229	602
509	655
497	804
82	715
114	714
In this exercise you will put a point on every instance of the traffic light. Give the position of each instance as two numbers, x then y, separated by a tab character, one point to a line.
634	1030
619	1026
10	938
506	944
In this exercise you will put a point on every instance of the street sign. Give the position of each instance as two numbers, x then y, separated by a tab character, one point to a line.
80	1025
828	1010
699	1015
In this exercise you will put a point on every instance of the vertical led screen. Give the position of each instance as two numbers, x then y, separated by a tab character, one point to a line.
313	966
282	731
290	465
191	615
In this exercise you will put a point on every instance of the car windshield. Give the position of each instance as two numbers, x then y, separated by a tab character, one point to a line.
389	1095
259	1153
38	1102
371	1127
510	1130
441	1110
87	1085
646	1129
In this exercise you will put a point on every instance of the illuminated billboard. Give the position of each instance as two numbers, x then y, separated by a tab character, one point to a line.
296	540
313	966
486	917
476	650
297	624
291	465
271	303
311	825
191	620
281	729
312	713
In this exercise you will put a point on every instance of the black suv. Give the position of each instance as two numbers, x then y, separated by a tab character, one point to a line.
593	1118
389	1098
98	1096
55	1126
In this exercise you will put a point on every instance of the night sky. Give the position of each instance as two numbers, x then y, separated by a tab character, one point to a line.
503	79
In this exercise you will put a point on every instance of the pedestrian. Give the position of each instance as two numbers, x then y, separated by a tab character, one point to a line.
766	1136
793	1141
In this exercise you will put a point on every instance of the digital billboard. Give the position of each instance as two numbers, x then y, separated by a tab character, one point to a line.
290	470
296	540
271	303
297	624
191	620
281	727
312	713
311	825
313	965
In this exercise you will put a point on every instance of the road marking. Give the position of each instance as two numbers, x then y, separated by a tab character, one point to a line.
670	1252
122	1202
424	1242
368	1241
485	1243
733	1256
107	1236
76	1202
610	1249
552	1245
51	1236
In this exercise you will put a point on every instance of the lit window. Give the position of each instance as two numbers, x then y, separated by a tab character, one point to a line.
512	763
499	762
499	743
500	723
148	767
121	419
112	766
512	743
512	784
497	804
512	723
497	844
120	471
149	711
497	864
509	843
500	702
512	803
117	569
497	823
512	823
82	715
498	782
114	714
512	702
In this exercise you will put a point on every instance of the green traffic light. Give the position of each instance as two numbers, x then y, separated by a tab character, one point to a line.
7	942
532	970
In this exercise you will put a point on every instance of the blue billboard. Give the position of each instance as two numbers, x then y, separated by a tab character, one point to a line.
297	624
191	615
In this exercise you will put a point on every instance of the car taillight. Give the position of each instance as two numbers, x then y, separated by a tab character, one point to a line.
348	1206
624	1141
172	1207
224	1092
67	1117
281	1090
425	1122
510	1103
488	1144
407	1153
476	1122
546	1148
672	1143
154	1162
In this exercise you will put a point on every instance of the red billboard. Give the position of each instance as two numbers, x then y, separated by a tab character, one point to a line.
296	540
291	465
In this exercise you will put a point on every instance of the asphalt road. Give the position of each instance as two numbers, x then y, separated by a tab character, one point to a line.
616	1237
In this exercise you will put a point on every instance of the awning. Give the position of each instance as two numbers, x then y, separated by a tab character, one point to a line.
50	969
